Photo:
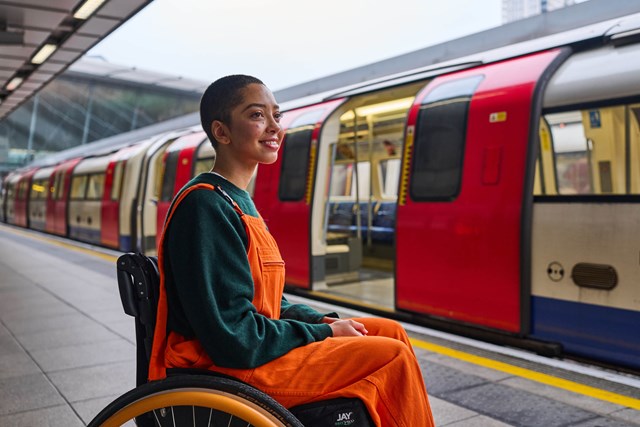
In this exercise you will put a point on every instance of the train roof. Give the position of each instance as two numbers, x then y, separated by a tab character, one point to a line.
439	59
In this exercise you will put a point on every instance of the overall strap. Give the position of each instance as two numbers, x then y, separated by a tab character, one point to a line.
157	369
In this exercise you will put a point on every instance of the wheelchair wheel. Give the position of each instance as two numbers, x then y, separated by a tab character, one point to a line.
194	401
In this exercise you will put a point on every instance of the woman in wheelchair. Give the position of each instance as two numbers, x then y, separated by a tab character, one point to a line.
221	305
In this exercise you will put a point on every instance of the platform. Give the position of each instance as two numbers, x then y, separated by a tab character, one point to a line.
67	350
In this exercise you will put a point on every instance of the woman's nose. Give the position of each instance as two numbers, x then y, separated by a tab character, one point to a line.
274	126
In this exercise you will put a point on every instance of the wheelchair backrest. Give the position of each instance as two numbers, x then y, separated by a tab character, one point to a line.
138	283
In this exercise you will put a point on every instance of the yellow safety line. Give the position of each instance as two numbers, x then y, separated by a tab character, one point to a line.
574	387
571	386
106	257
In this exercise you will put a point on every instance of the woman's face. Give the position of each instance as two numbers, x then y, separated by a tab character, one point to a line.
255	133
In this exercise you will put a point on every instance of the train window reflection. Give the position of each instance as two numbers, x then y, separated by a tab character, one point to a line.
439	150
117	180
390	177
38	190
295	164
169	176
590	152
78	186
95	186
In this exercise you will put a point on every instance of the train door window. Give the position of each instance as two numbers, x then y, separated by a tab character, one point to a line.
169	176
203	165
295	164
595	150
440	139
9	194
78	186
95	186
38	190
58	183
116	186
390	178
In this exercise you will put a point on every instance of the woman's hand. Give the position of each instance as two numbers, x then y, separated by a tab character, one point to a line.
347	328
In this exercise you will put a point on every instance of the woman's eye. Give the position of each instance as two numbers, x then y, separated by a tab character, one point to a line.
278	116
257	114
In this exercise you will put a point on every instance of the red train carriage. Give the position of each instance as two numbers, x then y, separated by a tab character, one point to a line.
40	196
58	201
186	157
21	198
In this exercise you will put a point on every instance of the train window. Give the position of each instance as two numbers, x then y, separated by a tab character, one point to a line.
58	185
38	190
78	186
169	176
343	180
95	186
591	151
439	140
295	164
390	177
116	185
203	165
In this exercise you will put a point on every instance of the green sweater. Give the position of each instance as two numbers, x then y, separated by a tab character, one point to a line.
210	288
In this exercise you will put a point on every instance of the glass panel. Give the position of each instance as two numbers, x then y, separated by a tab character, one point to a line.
295	164
95	188
116	185
390	177
78	186
59	185
439	150
595	150
203	165
169	178
38	190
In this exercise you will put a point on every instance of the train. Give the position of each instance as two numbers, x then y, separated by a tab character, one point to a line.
496	195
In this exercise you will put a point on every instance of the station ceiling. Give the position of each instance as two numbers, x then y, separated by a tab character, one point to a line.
63	29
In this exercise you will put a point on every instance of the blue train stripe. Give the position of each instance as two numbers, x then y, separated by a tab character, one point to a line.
609	334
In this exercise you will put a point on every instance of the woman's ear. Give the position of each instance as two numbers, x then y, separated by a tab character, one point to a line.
220	132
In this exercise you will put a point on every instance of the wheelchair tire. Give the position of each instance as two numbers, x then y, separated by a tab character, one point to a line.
195	400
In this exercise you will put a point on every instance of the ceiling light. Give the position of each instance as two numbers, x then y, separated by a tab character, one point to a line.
44	52
380	108
14	83
385	107
87	9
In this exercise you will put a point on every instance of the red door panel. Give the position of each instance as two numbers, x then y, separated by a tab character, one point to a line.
461	258
110	210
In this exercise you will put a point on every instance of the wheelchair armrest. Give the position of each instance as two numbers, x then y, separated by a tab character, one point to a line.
126	285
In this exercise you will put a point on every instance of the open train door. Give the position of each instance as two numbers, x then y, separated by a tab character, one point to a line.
284	191
465	194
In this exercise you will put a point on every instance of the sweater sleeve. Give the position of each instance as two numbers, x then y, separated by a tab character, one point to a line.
302	312
212	278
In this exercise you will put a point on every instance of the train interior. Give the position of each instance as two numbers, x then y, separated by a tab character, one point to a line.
361	174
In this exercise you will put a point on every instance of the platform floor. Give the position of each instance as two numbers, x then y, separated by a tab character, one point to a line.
67	350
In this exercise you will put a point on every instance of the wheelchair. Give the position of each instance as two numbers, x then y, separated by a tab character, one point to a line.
197	398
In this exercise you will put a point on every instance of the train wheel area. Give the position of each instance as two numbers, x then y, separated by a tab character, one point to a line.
67	350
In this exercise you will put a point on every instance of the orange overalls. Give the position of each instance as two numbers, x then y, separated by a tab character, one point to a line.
380	368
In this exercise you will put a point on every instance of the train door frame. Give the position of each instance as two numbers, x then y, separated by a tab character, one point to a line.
21	207
288	211
57	216
10	194
37	210
381	110
487	215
